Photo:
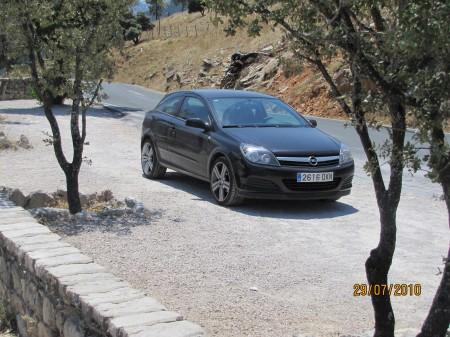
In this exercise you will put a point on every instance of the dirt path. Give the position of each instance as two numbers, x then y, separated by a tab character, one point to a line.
266	269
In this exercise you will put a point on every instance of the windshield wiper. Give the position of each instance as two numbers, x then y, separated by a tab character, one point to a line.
239	126
278	126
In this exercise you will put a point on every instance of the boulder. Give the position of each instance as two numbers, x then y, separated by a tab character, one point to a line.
84	200
60	195
207	64
130	202
5	143
24	143
268	49
39	199
271	68
18	197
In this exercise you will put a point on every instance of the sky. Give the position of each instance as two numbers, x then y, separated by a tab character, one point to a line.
142	7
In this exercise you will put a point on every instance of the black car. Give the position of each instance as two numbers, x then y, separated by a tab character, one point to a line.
246	145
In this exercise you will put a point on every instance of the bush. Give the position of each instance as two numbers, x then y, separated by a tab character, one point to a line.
291	67
196	6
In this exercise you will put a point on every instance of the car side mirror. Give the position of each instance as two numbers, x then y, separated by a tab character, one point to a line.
198	123
313	123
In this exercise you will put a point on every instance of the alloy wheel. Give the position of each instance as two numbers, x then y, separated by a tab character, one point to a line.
147	158
220	181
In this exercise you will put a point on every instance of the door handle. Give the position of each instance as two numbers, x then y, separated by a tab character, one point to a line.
172	131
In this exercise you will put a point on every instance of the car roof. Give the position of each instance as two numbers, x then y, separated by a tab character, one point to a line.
225	93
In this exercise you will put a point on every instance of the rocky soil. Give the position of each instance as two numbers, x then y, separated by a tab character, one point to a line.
102	212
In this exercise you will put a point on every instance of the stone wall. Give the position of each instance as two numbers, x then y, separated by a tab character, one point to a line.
53	290
15	88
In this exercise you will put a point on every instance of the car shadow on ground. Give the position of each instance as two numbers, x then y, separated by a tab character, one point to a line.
281	209
64	110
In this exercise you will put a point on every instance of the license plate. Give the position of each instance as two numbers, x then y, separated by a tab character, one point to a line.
314	177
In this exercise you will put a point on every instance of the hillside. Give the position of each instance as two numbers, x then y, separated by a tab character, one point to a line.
190	52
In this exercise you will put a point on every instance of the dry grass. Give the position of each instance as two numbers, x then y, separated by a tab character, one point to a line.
183	53
93	206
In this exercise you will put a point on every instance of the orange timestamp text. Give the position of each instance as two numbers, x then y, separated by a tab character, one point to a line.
393	289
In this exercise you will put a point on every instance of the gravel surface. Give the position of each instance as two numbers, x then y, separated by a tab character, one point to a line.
268	268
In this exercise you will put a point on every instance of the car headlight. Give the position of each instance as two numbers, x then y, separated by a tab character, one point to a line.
345	156
259	155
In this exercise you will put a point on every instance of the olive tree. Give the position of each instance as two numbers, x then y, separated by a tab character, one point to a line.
68	47
425	47
376	40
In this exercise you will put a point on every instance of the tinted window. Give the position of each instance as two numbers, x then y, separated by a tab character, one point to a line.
194	108
256	112
169	105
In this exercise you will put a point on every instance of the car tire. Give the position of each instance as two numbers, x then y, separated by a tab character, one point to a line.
223	183
151	167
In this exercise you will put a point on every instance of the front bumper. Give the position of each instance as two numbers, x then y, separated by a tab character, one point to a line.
267	182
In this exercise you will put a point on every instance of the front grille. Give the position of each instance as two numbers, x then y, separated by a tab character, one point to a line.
293	185
309	161
261	185
333	162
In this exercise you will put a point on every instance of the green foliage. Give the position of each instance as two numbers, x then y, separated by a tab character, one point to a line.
144	21
133	26
412	61
196	6
66	33
291	66
68	44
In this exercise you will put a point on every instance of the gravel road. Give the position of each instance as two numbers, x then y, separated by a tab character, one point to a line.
265	269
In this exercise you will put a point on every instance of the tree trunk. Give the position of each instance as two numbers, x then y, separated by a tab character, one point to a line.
73	196
438	319
377	269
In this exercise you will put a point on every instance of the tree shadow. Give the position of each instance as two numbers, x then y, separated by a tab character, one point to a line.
64	110
280	209
119	221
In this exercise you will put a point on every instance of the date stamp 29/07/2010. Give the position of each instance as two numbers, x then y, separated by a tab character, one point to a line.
393	289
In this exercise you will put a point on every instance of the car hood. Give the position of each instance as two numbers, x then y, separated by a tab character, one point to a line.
301	141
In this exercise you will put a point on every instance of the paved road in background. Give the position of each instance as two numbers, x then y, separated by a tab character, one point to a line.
134	100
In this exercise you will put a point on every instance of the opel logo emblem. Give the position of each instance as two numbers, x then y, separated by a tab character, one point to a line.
313	161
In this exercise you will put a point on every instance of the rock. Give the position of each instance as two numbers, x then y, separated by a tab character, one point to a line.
130	202
43	331
151	75
24	143
271	68
207	64
5	143
202	74
170	74
84	200
60	195
254	289
267	49
72	328
39	199
18	197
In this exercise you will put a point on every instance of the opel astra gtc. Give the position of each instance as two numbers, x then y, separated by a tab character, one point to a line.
246	145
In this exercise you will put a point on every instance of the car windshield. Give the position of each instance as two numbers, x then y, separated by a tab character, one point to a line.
255	112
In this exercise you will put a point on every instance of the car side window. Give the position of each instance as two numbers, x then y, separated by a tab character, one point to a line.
169	105
194	108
